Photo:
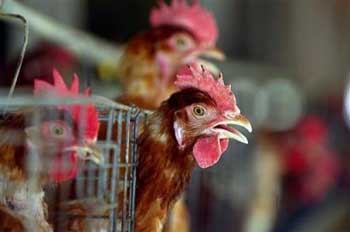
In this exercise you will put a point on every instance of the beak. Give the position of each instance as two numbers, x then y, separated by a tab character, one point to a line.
88	152
209	52
227	132
213	53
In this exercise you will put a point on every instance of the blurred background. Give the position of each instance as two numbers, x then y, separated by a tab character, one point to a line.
288	63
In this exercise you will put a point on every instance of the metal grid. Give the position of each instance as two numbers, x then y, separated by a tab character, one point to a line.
112	184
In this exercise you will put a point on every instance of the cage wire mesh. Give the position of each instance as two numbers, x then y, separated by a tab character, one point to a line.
102	196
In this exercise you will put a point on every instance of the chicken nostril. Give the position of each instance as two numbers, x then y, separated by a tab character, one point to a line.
231	115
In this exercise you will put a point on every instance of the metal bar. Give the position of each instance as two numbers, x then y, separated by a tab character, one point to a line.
24	48
134	173
92	185
63	189
126	174
108	140
90	188
115	174
79	186
81	43
102	178
120	165
32	165
82	182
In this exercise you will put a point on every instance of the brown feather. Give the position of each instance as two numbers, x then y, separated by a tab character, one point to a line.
164	170
10	222
22	208
178	218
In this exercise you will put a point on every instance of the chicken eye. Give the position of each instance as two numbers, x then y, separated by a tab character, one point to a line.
199	111
182	43
57	130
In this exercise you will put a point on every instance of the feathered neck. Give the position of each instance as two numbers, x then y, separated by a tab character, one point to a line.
164	170
159	130
13	147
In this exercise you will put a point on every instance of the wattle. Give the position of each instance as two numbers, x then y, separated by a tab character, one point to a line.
64	167
208	150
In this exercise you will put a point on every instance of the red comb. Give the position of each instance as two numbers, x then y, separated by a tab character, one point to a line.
86	114
193	17
58	88
205	81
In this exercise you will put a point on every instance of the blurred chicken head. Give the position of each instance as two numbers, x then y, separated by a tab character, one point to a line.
181	33
193	33
64	132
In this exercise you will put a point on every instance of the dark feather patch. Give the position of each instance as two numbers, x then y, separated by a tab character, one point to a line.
187	97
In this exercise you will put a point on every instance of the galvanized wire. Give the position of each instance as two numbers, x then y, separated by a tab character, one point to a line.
106	181
23	50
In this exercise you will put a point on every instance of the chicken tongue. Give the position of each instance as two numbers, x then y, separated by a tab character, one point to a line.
208	150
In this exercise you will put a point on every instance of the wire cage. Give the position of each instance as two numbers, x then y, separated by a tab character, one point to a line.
102	196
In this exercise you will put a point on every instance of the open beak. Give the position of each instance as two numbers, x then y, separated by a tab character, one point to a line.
225	131
88	152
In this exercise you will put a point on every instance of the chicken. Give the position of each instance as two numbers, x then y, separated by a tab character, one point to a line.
180	33
42	148
190	127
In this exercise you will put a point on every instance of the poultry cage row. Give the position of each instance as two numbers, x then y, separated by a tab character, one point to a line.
108	188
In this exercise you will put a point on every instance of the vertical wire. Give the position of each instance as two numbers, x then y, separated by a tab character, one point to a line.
83	182
134	171
347	85
32	163
64	189
23	50
91	167
110	149
115	173
126	167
